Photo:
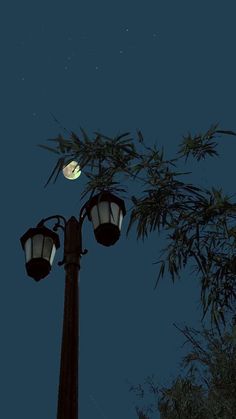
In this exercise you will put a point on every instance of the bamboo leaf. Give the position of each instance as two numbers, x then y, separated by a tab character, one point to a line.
86	138
99	136
48	148
161	271
226	132
140	136
58	167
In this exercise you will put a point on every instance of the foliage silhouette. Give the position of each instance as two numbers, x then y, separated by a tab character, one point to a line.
200	222
207	395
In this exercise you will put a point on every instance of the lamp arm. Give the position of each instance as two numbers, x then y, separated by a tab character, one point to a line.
57	225
79	223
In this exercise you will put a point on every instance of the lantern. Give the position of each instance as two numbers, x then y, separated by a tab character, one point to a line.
106	211
40	246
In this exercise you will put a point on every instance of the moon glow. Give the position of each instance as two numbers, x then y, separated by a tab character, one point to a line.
72	170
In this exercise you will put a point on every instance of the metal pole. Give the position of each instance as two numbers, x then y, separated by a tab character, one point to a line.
67	407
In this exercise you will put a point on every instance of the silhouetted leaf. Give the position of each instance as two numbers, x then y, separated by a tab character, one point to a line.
140	136
58	167
48	148
226	132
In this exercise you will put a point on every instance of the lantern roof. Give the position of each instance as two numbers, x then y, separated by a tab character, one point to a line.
40	230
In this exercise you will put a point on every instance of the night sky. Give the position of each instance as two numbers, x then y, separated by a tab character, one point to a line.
164	67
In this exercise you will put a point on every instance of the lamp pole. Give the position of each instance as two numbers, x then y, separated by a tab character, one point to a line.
67	407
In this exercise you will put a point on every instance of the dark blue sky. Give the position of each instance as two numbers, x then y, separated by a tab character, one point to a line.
164	67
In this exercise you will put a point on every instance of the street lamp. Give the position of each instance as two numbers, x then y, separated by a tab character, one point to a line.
40	246
106	211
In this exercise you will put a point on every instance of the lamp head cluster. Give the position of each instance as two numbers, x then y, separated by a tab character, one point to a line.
104	210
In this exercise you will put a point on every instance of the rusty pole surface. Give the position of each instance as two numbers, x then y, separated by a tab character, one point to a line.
67	407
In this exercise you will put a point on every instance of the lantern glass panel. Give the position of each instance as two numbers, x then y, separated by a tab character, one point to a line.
115	213
94	215
37	246
121	219
28	250
52	254
47	247
103	209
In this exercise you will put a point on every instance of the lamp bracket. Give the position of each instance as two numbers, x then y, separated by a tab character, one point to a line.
57	224
62	262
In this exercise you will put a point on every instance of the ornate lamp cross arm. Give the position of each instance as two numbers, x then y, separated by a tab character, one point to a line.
57	225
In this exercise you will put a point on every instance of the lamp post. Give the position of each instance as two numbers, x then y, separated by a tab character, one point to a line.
106	211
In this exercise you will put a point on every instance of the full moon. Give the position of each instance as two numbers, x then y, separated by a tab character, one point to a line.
72	170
